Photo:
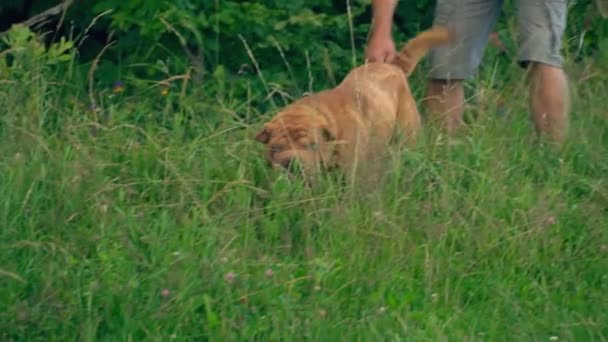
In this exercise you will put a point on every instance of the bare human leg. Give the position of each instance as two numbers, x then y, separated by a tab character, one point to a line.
445	102
549	101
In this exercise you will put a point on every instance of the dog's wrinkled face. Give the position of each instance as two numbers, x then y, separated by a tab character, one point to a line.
297	143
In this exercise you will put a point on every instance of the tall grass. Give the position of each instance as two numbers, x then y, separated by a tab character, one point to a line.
153	217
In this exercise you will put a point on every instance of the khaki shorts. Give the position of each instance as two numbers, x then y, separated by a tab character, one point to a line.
541	27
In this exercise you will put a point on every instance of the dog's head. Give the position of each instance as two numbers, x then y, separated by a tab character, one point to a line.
298	141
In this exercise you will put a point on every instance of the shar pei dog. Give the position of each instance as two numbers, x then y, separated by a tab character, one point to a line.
350	124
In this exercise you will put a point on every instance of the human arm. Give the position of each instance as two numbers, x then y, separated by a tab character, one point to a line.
381	47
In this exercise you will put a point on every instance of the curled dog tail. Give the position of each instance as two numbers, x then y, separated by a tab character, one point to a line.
416	48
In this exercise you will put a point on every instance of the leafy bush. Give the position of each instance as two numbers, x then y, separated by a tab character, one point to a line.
26	69
261	50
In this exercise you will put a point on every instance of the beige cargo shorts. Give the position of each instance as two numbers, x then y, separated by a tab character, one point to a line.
541	26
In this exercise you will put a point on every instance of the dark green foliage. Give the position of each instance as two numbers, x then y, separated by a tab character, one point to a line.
300	45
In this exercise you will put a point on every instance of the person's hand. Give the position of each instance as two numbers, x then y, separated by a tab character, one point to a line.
381	48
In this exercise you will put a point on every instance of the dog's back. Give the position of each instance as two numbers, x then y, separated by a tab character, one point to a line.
380	74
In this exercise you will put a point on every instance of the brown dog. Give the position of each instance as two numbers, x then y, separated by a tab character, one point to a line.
354	121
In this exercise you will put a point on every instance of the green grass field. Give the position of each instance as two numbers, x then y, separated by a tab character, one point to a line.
156	218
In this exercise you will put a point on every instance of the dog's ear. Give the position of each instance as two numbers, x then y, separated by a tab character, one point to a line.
263	136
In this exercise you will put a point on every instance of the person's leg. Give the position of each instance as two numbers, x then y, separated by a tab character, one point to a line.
549	101
472	22
541	25
444	101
